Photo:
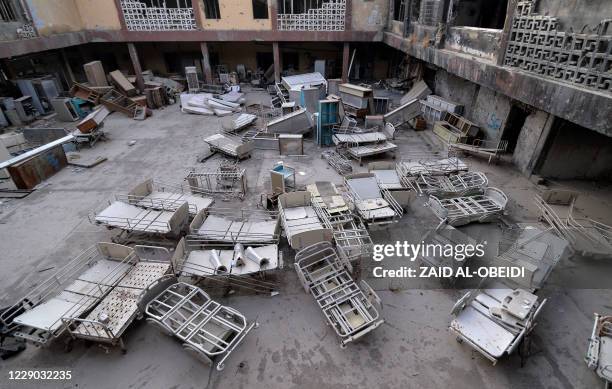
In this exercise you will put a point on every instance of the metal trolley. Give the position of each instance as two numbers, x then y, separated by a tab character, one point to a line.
348	308
208	329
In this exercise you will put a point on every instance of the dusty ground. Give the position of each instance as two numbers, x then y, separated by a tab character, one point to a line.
292	347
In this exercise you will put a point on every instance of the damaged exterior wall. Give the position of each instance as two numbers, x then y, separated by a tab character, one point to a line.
235	15
98	14
55	16
369	15
480	42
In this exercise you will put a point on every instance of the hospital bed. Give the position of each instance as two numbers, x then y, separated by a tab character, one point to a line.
481	208
300	221
599	353
227	180
225	225
155	194
229	145
207	329
164	220
373	204
432	165
454	185
329	203
108	321
347	307
338	161
359	146
586	236
74	289
389	178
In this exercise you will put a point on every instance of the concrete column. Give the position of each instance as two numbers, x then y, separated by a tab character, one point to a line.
503	44
206	63
136	65
345	61
277	64
67	65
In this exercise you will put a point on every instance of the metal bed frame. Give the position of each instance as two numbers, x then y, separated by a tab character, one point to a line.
353	240
599	353
482	208
208	329
586	236
335	214
73	290
166	221
156	194
431	164
490	149
228	180
304	231
390	178
229	145
109	320
347	308
338	161
454	185
238	226
495	322
383	201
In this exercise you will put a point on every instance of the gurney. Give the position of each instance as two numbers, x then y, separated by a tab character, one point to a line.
348	308
599	353
164	221
430	165
389	178
586	236
107	322
206	328
154	194
454	185
229	145
72	291
226	225
300	220
246	266
373	204
496	321
482	208
329	203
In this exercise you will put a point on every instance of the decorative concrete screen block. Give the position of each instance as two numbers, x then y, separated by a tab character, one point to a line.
330	17
537	46
140	17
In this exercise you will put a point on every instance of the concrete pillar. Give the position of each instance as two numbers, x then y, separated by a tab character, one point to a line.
345	62
67	65
277	64
136	65
206	63
503	45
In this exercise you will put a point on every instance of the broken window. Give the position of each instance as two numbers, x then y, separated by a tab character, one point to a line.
311	15
7	12
260	9
479	13
399	10
211	9
429	12
158	15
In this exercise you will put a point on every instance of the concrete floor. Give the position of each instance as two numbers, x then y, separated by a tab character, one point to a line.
292	347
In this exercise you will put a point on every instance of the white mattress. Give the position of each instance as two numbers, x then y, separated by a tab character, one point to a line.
172	201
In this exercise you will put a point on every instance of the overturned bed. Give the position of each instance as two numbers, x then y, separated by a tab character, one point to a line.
373	204
300	220
230	226
73	291
359	146
481	208
229	145
454	185
430	164
228	180
209	330
348	308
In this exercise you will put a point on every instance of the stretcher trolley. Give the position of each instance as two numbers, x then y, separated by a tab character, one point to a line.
586	236
455	185
108	321
165	220
481	208
348	308
73	291
373	204
599	353
497	321
230	226
207	329
300	220
248	266
155	194
229	145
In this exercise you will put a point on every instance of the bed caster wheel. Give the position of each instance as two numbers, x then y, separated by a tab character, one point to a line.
256	325
220	366
342	346
459	340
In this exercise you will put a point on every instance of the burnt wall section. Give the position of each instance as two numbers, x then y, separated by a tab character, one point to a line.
536	45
